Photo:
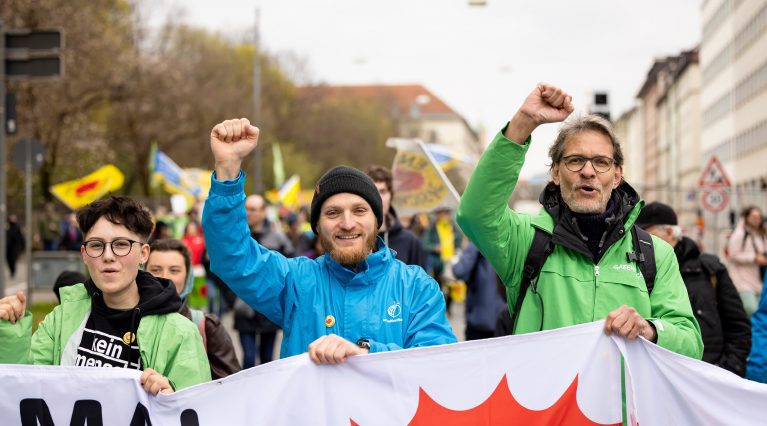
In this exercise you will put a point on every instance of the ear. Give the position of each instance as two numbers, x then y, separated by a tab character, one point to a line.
555	174
618	176
82	253
144	254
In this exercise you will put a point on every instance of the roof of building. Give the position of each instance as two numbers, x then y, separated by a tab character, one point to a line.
403	99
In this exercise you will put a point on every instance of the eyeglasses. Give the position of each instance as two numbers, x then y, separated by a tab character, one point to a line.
576	163
120	247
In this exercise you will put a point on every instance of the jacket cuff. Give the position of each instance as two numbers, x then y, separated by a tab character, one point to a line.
377	347
227	187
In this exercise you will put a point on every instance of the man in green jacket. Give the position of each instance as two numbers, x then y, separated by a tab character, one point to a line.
121	317
589	212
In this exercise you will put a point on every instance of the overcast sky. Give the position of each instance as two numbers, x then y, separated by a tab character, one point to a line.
482	61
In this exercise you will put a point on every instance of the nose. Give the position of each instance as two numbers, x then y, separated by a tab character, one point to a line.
347	221
588	169
108	254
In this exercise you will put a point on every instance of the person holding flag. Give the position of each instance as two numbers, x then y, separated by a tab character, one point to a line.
355	299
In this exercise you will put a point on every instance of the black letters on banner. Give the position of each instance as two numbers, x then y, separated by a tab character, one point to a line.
140	416
33	411
87	411
189	418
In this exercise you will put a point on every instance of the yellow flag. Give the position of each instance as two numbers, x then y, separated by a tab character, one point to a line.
288	193
80	192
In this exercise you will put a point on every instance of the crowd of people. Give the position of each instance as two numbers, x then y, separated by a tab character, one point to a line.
347	275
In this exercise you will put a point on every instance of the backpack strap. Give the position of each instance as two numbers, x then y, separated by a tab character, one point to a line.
540	249
198	317
644	256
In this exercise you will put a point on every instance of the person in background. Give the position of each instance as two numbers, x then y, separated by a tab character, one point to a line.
66	279
405	244
14	243
724	326
49	228
442	240
71	237
257	332
194	241
161	230
483	301
746	253
120	307
301	241
756	366
170	259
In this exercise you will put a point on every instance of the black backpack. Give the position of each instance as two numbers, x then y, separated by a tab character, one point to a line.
541	248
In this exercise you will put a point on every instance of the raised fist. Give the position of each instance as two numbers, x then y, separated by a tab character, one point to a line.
547	104
231	141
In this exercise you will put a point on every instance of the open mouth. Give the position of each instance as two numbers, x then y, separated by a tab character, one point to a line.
348	238
587	189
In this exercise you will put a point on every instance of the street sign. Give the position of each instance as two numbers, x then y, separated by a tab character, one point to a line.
36	153
714	175
715	200
32	54
715	185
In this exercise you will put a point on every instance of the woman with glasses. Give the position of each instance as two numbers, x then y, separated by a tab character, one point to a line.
122	317
171	259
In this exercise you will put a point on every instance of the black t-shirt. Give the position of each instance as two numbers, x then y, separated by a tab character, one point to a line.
109	343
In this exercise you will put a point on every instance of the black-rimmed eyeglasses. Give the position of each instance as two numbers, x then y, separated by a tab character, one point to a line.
120	247
576	163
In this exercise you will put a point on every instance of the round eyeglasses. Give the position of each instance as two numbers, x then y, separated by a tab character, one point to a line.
576	163
120	247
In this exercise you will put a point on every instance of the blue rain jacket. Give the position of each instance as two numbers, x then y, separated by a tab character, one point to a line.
388	303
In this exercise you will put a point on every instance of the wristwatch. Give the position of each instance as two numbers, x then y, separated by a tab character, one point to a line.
363	344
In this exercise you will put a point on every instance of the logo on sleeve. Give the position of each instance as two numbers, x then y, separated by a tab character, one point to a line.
393	313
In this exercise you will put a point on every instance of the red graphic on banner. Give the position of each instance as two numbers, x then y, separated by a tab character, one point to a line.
500	408
82	189
407	180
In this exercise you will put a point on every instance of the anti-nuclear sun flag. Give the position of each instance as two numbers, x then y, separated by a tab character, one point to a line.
419	184
569	376
80	192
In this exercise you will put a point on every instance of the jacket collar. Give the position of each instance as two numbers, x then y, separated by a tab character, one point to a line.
370	270
556	218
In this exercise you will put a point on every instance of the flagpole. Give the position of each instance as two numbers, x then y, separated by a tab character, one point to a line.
258	184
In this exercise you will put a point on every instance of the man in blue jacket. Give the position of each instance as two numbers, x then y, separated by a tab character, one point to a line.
355	299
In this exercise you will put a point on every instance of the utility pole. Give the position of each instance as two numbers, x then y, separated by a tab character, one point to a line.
258	183
3	211
24	55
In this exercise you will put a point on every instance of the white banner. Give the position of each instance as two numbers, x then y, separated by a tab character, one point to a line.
566	376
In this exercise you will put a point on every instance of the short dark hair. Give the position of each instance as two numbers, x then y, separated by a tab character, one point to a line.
583	124
381	174
171	244
123	211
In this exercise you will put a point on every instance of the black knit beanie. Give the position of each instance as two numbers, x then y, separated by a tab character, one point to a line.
341	179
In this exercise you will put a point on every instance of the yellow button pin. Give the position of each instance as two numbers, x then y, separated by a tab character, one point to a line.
330	321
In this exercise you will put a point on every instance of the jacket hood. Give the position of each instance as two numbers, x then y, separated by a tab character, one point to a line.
686	250
566	232
156	296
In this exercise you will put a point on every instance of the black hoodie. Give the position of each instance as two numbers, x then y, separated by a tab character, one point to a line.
109	336
406	244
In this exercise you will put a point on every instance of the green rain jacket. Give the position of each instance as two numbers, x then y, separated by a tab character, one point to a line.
573	289
169	343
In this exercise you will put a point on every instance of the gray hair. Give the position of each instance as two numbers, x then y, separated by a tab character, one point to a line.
583	124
